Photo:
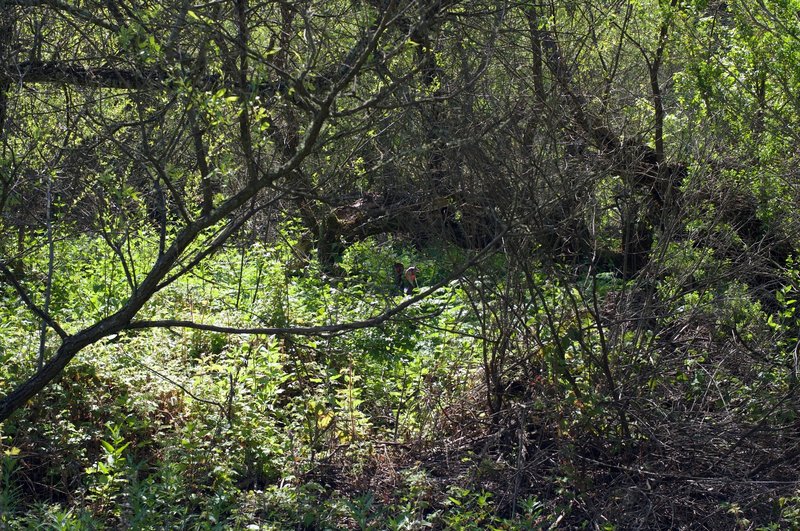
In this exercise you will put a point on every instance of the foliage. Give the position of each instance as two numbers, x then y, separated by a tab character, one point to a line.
201	206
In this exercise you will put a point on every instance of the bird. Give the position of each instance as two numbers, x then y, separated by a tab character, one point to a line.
405	280
411	279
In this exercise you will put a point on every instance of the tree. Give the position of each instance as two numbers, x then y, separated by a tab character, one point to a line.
166	128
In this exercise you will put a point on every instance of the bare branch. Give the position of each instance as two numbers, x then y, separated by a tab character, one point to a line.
9	278
58	5
325	330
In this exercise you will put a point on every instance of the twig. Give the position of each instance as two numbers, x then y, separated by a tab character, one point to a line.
173	382
8	277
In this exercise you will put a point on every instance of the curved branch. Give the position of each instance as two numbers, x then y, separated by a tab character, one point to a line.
9	278
58	5
324	330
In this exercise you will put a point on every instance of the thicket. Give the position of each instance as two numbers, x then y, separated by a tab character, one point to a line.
201	206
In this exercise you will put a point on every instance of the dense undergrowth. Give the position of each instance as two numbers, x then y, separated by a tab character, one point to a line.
510	399
170	428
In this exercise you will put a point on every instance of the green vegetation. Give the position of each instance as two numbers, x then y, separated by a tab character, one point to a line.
367	264
162	429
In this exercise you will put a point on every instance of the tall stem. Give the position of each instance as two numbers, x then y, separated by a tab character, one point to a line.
48	290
